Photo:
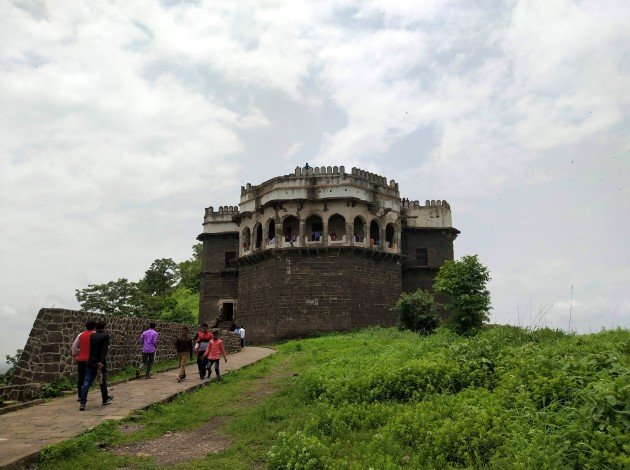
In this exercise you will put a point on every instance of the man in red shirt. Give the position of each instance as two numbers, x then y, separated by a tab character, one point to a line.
214	352
202	339
81	353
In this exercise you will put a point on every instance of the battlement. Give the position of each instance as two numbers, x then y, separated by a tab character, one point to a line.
433	214
319	171
319	183
407	204
224	211
373	178
220	221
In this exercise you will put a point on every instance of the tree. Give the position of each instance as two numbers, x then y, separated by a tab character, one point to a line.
12	361
152	306
190	270
179	313
417	311
161	277
114	297
464	282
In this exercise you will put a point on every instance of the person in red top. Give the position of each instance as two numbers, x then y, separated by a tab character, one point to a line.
202	339
81	353
213	353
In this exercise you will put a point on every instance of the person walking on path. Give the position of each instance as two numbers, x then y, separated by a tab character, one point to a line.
81	353
97	365
149	339
202	339
184	347
214	352
241	333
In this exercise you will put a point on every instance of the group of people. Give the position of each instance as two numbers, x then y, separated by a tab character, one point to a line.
90	348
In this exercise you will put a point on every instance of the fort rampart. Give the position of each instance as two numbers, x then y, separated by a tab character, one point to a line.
47	354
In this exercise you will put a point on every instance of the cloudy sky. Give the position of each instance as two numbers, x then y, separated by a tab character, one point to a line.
121	121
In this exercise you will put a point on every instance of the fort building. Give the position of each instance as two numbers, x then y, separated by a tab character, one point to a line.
319	250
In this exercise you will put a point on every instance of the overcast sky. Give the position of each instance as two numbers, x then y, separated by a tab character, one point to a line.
121	121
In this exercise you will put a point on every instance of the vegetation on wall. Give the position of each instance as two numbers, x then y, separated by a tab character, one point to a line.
168	291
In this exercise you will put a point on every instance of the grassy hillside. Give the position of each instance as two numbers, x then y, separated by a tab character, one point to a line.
385	399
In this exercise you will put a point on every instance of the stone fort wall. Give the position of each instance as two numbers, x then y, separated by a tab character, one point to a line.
47	354
294	293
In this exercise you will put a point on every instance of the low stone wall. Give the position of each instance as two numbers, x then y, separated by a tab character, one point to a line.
20	392
47	354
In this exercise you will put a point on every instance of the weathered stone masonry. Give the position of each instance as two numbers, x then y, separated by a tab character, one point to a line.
292	293
47	354
285	281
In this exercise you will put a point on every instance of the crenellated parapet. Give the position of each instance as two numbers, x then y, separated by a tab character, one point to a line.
221	220
321	183
319	171
433	214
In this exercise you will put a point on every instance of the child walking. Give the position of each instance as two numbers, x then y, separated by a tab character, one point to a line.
184	347
214	352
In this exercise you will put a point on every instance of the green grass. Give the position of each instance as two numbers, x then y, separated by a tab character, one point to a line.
384	399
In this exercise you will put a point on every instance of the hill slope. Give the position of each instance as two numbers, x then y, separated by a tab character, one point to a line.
385	399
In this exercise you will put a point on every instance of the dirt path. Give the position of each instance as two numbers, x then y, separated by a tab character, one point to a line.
178	447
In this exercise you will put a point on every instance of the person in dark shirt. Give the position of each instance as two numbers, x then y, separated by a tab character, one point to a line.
97	365
202	339
184	347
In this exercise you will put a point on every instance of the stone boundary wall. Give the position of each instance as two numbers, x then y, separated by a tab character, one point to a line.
47	354
20	392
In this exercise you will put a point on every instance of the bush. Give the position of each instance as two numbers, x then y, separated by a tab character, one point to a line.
12	361
298	451
464	282
55	388
417	311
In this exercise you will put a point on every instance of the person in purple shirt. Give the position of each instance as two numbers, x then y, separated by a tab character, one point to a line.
149	339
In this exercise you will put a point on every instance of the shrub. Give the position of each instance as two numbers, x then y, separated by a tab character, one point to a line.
55	388
417	311
12	361
298	451
464	282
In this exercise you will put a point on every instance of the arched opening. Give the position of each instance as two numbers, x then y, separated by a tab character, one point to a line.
259	235
313	228
271	232
336	228
290	229
390	234
375	233
359	229
246	239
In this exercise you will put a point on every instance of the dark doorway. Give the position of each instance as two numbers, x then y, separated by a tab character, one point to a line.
228	311
259	236
390	235
375	233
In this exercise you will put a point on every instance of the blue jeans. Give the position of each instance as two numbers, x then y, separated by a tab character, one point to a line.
90	375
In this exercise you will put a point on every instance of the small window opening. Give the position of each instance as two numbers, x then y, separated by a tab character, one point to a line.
422	257
229	257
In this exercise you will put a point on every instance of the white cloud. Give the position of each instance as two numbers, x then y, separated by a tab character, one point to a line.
120	121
